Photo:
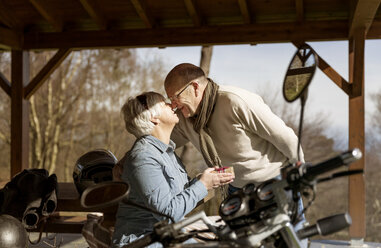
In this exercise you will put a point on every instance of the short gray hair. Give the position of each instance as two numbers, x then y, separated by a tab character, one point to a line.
137	115
182	74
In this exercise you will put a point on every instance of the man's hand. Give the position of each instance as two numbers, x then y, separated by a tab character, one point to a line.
213	180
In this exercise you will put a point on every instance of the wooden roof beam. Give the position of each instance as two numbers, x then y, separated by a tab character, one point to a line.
299	10
4	84
45	72
244	11
190	36
193	12
95	13
10	39
47	14
363	15
143	12
6	18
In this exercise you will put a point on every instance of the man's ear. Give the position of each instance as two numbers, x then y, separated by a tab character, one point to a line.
196	87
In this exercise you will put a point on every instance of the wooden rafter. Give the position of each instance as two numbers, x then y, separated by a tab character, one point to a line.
244	11
47	14
9	39
334	76
143	12
193	12
6	17
331	73
45	72
205	35
95	13
374	31
298	71
4	84
363	15
299	10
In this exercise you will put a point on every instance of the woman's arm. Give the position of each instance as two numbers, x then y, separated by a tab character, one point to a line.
153	186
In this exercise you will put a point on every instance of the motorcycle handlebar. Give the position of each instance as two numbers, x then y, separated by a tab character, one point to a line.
310	172
170	229
326	226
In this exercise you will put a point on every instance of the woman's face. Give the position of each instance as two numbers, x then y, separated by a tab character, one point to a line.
167	115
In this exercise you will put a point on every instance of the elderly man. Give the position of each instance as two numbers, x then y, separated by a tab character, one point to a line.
230	126
156	176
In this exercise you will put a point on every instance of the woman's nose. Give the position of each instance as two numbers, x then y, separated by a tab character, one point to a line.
173	104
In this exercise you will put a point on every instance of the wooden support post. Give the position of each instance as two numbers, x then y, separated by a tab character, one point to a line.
19	112
356	133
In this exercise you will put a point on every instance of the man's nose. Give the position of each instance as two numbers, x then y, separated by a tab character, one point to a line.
173	104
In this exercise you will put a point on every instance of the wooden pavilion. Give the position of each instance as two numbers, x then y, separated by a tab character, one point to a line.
28	25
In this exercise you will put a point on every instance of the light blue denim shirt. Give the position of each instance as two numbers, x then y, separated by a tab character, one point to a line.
158	180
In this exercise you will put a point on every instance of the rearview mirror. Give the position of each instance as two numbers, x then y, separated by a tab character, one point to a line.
300	73
104	194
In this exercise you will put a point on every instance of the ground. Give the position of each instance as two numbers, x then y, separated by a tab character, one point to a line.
59	240
77	241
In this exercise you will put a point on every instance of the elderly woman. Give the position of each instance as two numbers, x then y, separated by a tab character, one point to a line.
156	176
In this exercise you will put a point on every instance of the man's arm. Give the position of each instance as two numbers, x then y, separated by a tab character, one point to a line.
259	118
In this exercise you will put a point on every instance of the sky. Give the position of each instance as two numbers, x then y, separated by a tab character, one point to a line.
264	66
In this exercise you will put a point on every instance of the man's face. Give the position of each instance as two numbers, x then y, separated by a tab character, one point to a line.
183	99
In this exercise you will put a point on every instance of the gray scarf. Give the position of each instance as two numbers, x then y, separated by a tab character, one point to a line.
208	101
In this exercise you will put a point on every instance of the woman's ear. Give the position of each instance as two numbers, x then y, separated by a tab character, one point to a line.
155	120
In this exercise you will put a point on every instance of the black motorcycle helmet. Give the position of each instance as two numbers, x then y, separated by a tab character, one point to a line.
93	167
12	232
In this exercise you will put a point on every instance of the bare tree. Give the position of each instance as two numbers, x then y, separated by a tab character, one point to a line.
372	171
5	119
78	108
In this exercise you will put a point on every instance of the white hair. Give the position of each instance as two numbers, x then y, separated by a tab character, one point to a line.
137	115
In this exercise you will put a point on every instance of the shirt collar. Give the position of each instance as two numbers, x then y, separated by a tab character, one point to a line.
161	146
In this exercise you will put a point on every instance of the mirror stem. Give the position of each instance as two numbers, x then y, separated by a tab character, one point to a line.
303	99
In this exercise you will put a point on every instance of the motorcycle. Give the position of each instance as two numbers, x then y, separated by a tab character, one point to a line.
263	215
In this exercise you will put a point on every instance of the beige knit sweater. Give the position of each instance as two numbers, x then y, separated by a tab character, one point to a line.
247	136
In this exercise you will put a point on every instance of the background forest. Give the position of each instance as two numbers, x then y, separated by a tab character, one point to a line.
78	109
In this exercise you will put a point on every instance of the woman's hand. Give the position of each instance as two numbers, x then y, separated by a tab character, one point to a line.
211	179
